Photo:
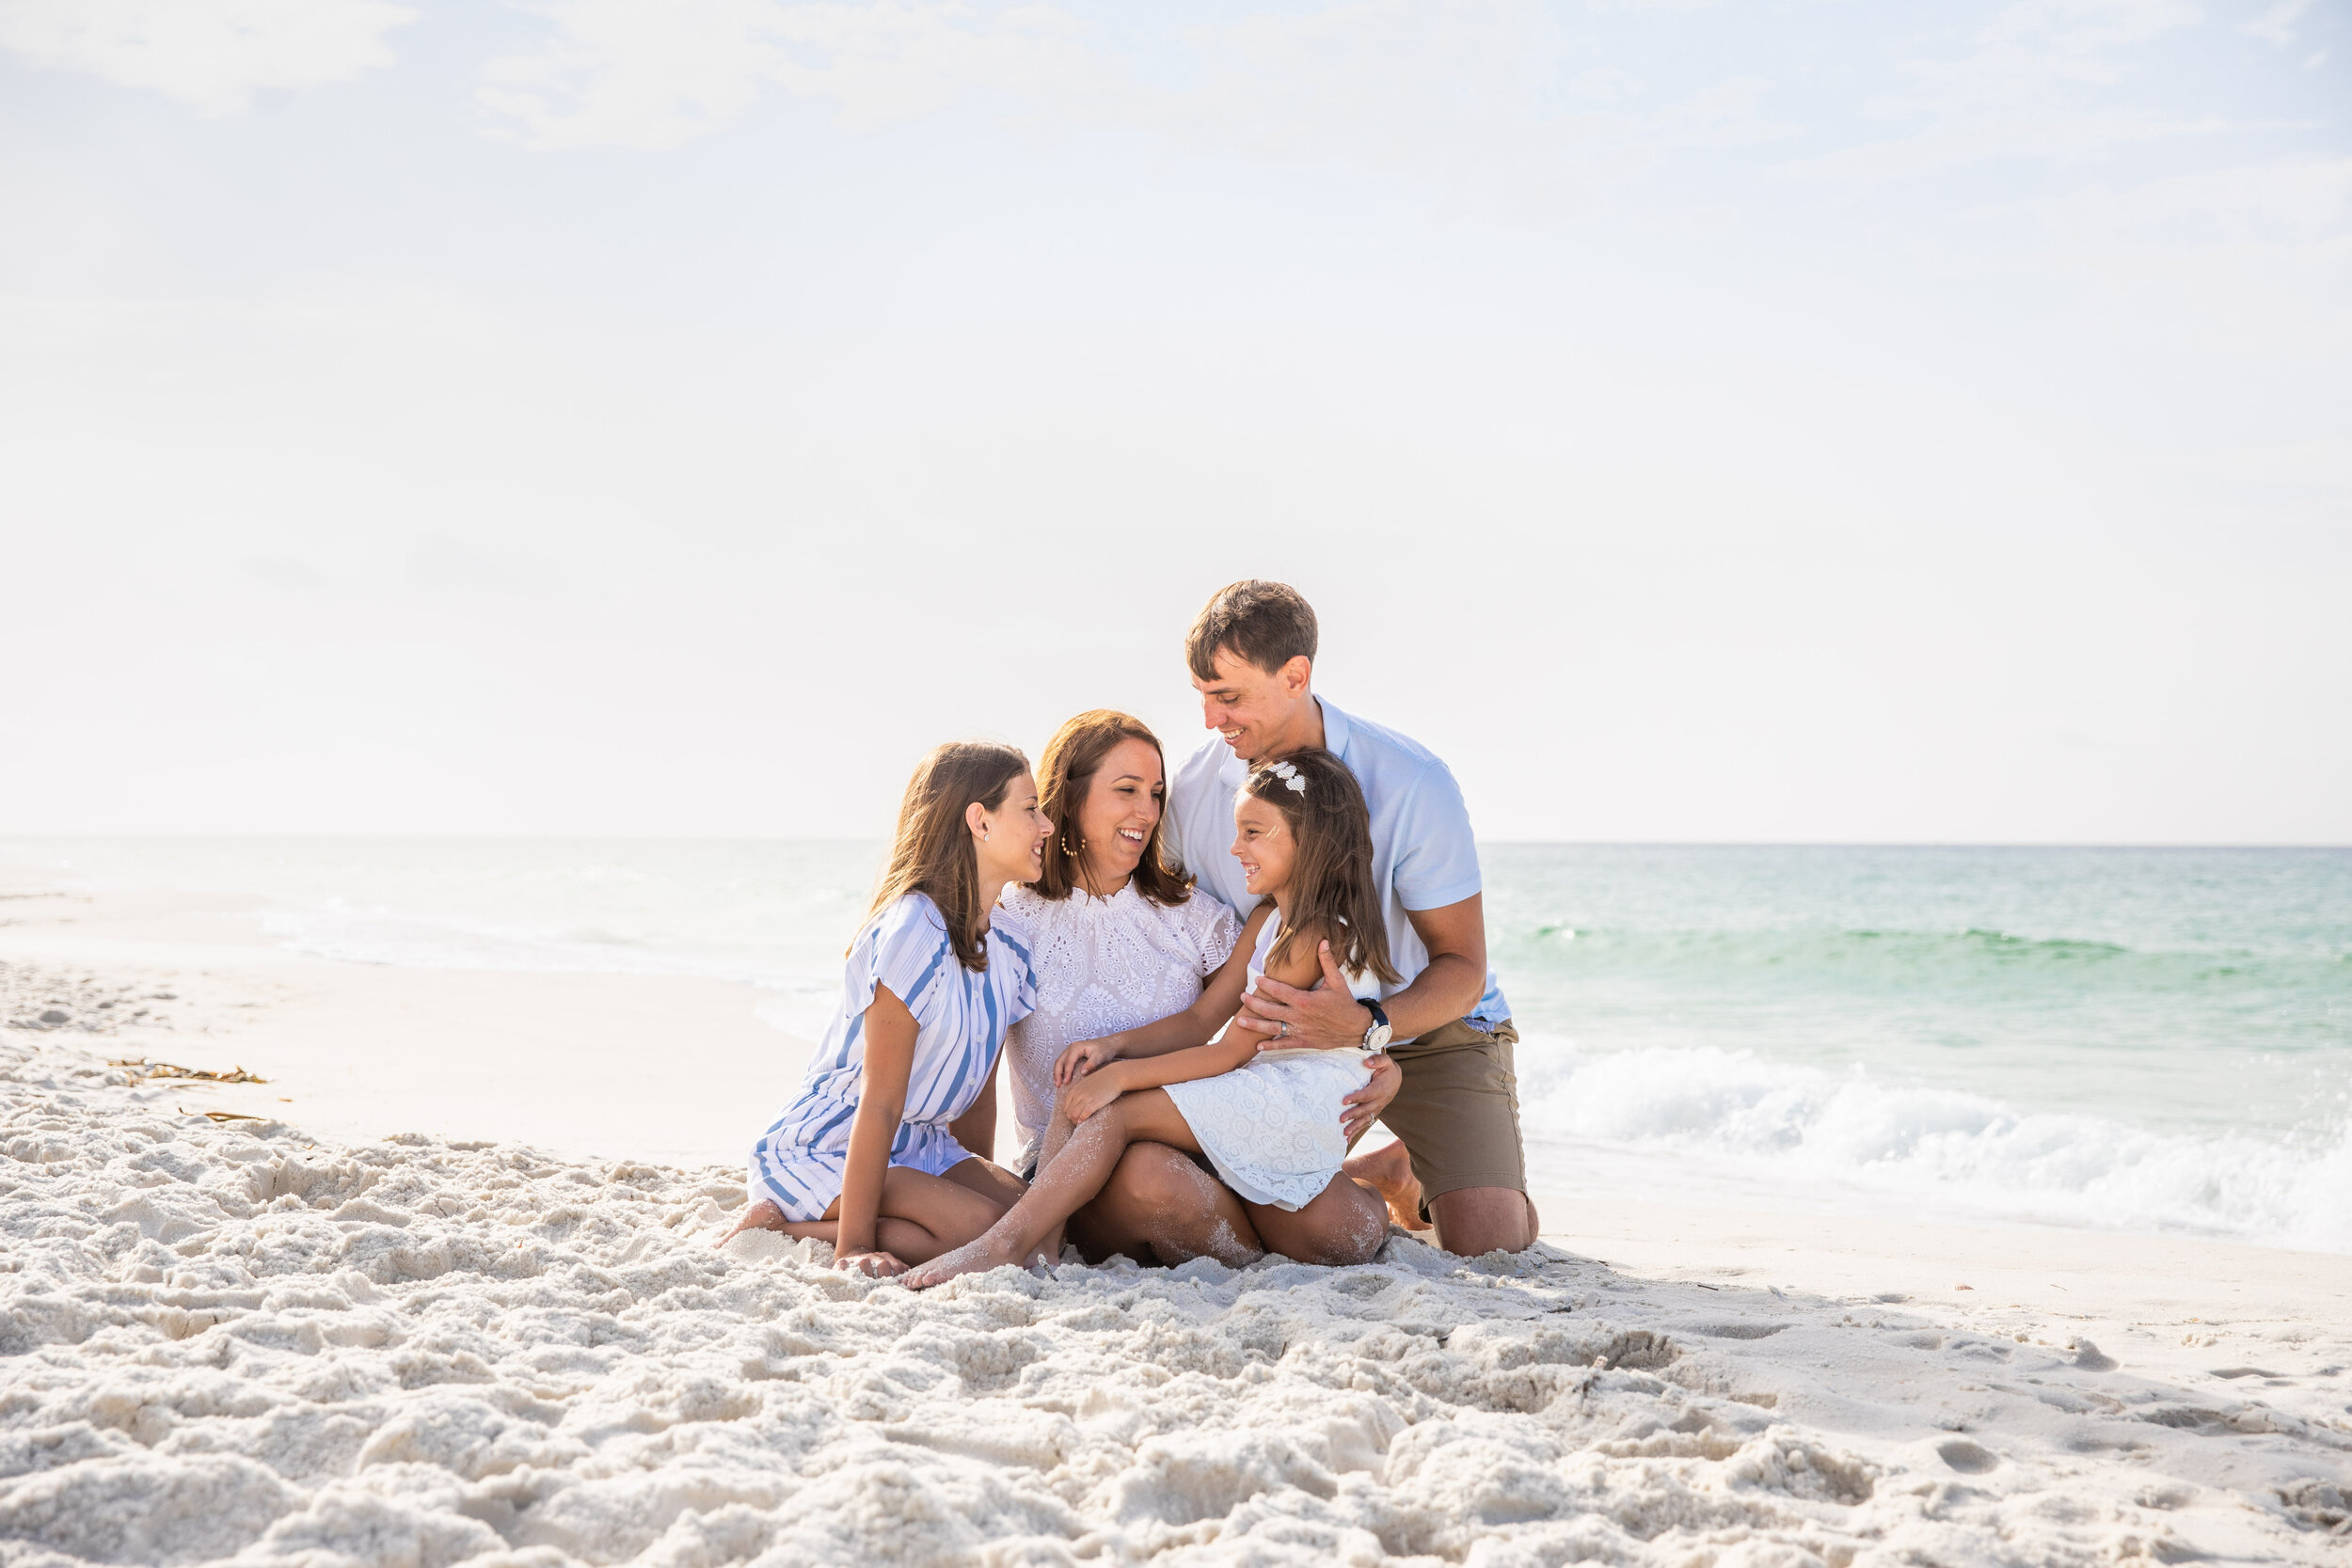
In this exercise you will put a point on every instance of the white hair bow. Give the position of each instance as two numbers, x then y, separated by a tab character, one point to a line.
1289	774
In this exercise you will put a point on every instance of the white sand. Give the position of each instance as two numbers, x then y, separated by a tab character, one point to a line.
586	1064
306	1341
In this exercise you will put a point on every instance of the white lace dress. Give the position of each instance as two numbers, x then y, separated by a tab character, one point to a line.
1104	965
1271	1127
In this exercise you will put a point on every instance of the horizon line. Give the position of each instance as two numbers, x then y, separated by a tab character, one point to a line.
489	835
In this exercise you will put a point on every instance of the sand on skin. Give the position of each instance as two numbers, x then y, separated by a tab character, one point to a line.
263	1341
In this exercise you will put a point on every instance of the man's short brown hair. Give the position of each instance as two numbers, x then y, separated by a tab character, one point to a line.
1265	624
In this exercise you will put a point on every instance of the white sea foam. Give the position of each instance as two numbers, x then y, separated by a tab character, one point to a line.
1732	1118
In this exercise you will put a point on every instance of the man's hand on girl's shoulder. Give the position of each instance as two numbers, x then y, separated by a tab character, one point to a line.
1326	1017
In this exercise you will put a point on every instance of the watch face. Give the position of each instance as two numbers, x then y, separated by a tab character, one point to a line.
1377	1037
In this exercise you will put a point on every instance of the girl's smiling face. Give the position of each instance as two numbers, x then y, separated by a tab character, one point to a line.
1264	844
1121	807
1015	845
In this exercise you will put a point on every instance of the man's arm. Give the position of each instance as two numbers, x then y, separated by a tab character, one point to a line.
1329	1017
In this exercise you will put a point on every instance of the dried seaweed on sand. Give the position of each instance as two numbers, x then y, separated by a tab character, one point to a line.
142	1071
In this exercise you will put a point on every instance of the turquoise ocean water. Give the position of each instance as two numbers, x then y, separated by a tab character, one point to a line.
2152	1040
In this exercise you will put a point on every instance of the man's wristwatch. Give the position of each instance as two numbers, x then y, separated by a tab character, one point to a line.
1375	1038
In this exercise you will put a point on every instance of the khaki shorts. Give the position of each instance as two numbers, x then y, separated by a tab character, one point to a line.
1458	1112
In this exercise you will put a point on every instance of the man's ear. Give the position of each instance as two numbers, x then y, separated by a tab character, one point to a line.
1296	671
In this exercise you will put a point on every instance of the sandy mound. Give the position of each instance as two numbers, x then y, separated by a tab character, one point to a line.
221	1341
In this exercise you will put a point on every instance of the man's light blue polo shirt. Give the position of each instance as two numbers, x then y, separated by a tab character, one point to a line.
1424	856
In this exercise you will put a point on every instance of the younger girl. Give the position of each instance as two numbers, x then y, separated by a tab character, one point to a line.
864	1156
1267	1120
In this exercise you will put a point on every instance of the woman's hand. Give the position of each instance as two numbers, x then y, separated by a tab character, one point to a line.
1083	1058
874	1265
1089	1095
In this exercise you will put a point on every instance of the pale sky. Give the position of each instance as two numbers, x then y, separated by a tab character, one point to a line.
1804	420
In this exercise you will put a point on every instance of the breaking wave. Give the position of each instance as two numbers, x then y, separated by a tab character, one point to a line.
1732	1117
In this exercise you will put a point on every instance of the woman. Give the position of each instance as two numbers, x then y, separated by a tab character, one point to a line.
1127	954
1267	1120
864	1156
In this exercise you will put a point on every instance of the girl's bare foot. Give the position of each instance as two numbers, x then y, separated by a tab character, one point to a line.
762	1215
1389	1172
990	1252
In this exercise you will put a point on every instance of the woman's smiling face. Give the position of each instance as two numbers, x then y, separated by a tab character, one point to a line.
1264	844
1122	805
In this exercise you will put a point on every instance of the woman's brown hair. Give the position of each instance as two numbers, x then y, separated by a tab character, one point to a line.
933	853
1072	758
1331	884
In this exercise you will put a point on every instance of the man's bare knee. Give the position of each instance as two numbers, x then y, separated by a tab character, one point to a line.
1473	1221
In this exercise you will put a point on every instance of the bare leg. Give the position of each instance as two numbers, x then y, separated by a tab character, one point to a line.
922	1215
1077	1171
1389	1171
1474	1221
1470	1221
990	1181
1344	1227
1161	1208
901	1238
948	1212
1057	1130
891	1234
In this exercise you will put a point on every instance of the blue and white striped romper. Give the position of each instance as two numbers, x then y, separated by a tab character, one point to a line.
960	1018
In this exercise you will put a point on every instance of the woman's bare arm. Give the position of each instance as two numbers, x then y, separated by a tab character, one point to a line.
890	1030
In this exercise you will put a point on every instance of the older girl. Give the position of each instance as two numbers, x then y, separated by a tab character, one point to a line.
864	1156
1268	1120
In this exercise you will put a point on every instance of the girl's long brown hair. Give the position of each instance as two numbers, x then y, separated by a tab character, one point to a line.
1072	758
1331	882
934	853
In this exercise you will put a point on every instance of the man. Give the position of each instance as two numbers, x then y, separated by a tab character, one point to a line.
1457	1161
